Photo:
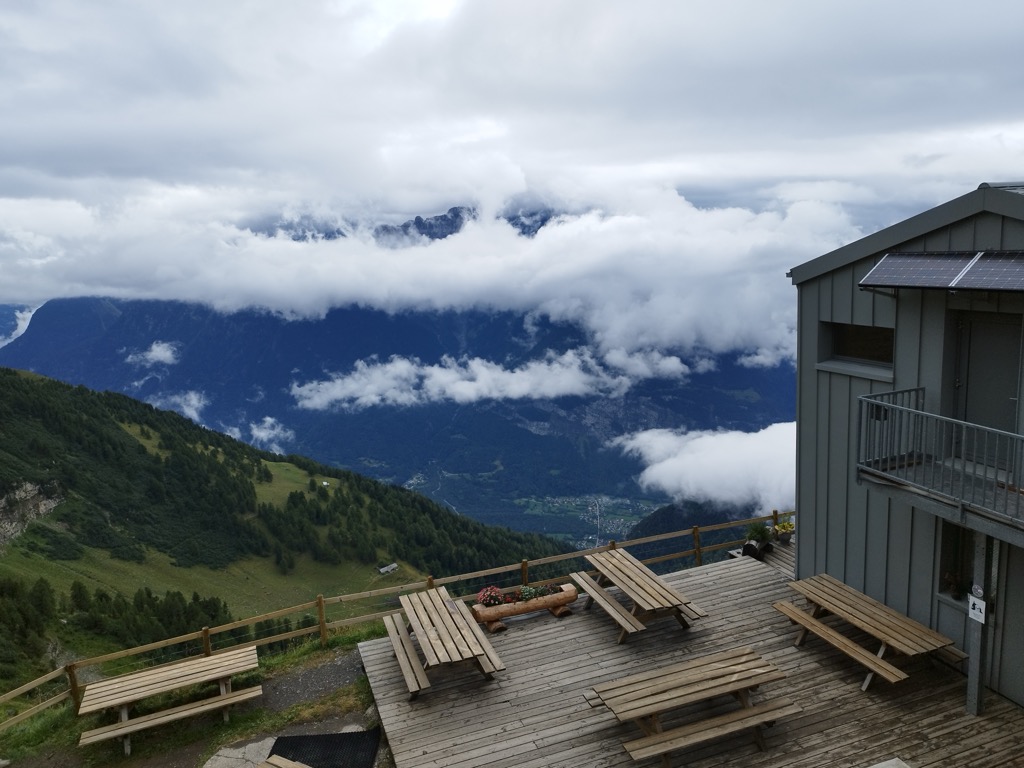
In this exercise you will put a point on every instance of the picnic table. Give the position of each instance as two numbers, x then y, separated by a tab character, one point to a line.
893	630
446	633
650	595
645	697
122	691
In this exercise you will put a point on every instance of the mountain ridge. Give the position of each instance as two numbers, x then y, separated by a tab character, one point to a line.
237	373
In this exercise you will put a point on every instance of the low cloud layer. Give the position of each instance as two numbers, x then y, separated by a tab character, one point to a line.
159	353
189	404
408	382
733	467
271	435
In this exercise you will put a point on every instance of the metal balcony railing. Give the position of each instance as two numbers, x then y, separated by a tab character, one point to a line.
954	461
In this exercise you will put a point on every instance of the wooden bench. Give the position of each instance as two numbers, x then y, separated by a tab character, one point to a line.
861	655
122	691
698	732
127	727
276	761
651	596
446	633
409	662
598	594
892	629
646	696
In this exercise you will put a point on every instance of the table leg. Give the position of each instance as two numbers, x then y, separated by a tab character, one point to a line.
680	618
650	725
225	687
816	611
871	675
126	740
744	697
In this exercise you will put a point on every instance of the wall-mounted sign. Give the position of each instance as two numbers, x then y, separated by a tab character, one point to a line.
976	609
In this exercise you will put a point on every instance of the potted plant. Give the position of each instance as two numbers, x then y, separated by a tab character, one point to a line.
784	531
759	540
493	604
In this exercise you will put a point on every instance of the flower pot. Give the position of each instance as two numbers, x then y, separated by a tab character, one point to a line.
491	615
785	537
757	549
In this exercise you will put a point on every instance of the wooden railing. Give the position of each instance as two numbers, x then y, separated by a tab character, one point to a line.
362	607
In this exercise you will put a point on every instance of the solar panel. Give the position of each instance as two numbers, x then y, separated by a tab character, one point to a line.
953	270
995	270
918	270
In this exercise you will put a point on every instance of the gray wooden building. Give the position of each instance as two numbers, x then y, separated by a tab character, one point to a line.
910	455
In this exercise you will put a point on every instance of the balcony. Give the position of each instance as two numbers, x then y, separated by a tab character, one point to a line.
964	469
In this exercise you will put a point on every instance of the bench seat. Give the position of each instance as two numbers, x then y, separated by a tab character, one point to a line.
409	662
598	594
698	732
864	657
130	726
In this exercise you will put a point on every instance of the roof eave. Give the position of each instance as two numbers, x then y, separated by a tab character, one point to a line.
986	198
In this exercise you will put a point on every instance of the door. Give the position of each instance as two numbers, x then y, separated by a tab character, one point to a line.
988	379
1009	629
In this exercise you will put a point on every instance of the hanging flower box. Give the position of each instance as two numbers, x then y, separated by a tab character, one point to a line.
493	605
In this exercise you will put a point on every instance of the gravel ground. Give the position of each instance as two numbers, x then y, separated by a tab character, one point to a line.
297	686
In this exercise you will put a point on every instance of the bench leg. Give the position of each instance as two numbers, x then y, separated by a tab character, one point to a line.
871	675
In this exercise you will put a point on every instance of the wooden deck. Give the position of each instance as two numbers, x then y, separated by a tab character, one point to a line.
536	714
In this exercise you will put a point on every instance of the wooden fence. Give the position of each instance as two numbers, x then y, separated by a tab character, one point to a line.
40	694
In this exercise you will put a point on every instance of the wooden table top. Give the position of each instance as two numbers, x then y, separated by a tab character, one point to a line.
443	631
134	686
643	586
900	632
677	685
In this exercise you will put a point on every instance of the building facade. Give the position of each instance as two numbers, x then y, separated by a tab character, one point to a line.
910	459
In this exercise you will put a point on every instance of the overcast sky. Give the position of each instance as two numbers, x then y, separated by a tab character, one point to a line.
697	150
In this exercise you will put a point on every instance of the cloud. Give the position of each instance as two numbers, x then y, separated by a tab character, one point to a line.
159	353
733	467
694	154
270	434
22	317
189	404
406	382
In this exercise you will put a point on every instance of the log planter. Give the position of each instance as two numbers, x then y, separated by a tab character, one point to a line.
491	615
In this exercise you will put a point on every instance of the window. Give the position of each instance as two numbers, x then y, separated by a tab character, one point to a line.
956	561
864	351
862	343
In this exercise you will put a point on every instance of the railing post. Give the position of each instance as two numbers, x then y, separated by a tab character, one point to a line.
322	618
207	646
775	519
76	693
524	572
697	556
430	582
611	544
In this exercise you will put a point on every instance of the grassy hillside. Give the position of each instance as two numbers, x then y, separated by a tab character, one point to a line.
146	498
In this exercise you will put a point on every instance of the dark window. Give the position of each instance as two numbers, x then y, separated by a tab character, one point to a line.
864	343
956	563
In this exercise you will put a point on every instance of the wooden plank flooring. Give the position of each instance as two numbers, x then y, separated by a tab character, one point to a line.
536	714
